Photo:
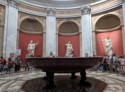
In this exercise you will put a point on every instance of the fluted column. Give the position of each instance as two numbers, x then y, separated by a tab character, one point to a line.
50	32
10	36
123	10
86	34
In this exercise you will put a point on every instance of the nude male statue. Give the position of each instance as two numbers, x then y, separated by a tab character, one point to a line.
31	47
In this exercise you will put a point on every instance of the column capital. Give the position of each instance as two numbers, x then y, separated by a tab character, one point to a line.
13	3
85	10
51	12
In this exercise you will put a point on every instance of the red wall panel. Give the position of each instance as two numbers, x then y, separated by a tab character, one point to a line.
117	42
24	39
74	40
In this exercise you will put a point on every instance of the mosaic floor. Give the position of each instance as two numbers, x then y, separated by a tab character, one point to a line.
13	82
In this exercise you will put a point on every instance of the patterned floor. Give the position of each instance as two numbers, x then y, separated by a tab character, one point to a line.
13	82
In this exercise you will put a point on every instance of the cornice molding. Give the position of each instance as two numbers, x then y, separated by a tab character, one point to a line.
65	8
3	2
30	32
110	7
32	12
44	14
115	5
68	16
108	30
68	34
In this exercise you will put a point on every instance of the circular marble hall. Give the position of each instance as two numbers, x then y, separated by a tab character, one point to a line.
50	25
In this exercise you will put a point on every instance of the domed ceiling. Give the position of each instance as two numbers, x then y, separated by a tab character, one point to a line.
63	3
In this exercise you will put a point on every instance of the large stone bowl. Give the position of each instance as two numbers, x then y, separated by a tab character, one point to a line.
63	65
52	65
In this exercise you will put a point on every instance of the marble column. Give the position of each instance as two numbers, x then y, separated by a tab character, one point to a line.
123	10
86	34
10	36
50	32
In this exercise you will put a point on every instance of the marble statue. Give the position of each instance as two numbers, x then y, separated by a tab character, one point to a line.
69	50
108	46
31	48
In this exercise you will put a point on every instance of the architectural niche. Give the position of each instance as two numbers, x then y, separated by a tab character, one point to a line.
109	21
68	28
31	25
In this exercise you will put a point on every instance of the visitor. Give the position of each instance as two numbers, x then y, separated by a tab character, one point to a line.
27	67
105	63
2	64
9	65
17	64
116	64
